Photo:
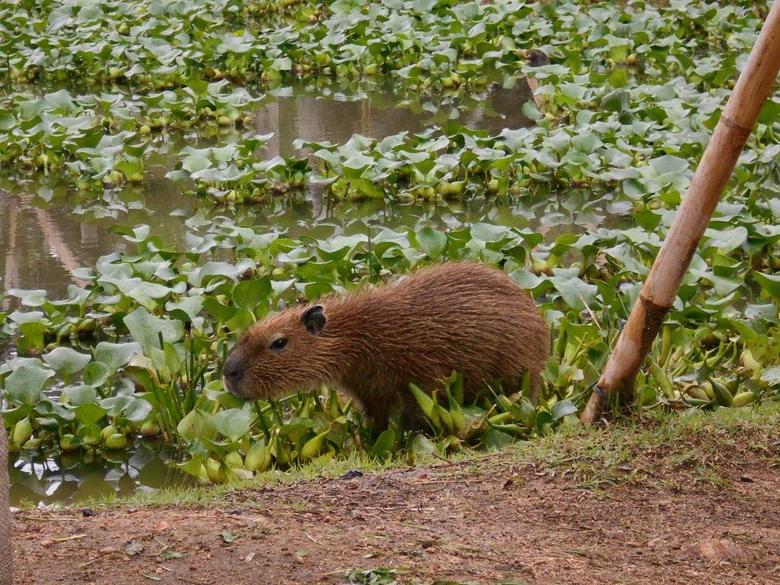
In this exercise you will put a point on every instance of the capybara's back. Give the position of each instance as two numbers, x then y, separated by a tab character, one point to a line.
457	316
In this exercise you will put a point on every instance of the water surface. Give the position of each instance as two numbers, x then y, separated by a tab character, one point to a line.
47	230
73	478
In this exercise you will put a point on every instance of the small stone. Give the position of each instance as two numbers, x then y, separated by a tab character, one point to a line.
134	548
718	550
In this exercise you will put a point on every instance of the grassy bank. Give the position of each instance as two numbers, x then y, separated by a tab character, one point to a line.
653	448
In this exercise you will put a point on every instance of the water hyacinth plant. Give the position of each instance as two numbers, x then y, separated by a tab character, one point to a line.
579	202
160	324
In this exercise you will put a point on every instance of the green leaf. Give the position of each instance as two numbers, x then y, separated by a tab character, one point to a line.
89	434
616	101
81	394
29	298
116	355
669	164
196	425
367	188
138	410
32	336
424	400
432	242
530	110
250	293
587	142
193	466
313	447
563	408
384	443
66	361
220	312
544	421
146	329
96	373
487	232
575	292
233	423
727	240
493	439
422	446
771	376
89	413
769	282
25	383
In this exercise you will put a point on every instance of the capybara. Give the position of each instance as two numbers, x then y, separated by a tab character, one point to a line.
456	316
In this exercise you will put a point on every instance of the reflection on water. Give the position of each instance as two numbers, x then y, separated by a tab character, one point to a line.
71	478
336	118
42	242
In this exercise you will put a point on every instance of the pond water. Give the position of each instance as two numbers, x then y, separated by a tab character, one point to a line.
42	240
71	478
46	232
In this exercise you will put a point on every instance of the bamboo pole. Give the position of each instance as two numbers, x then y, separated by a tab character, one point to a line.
660	289
6	554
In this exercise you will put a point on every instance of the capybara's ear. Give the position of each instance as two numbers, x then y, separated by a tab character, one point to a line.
313	319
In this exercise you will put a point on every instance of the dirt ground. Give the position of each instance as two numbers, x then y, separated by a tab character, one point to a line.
496	519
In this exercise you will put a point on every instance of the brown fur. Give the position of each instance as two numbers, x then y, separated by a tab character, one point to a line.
459	316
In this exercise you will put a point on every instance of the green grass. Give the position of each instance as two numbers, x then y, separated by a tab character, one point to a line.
655	447
219	493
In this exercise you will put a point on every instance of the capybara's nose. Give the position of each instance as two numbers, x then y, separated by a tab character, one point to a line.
232	372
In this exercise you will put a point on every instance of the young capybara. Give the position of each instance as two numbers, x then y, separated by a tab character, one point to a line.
458	316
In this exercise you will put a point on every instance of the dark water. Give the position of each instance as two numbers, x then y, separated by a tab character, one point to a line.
47	231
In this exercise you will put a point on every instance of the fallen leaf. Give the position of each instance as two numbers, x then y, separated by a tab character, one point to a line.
134	548
168	555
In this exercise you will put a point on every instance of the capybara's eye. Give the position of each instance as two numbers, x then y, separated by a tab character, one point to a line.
278	343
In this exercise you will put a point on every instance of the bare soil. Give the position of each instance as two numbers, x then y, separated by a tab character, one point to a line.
494	519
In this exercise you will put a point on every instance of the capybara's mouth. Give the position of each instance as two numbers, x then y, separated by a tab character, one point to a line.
236	389
232	375
231	388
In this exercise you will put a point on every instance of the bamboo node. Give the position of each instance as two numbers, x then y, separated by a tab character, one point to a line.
736	126
653	306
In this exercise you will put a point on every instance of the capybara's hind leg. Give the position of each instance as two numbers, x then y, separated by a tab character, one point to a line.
535	388
519	383
377	416
412	416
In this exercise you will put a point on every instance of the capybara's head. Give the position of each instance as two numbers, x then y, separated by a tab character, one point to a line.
276	356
